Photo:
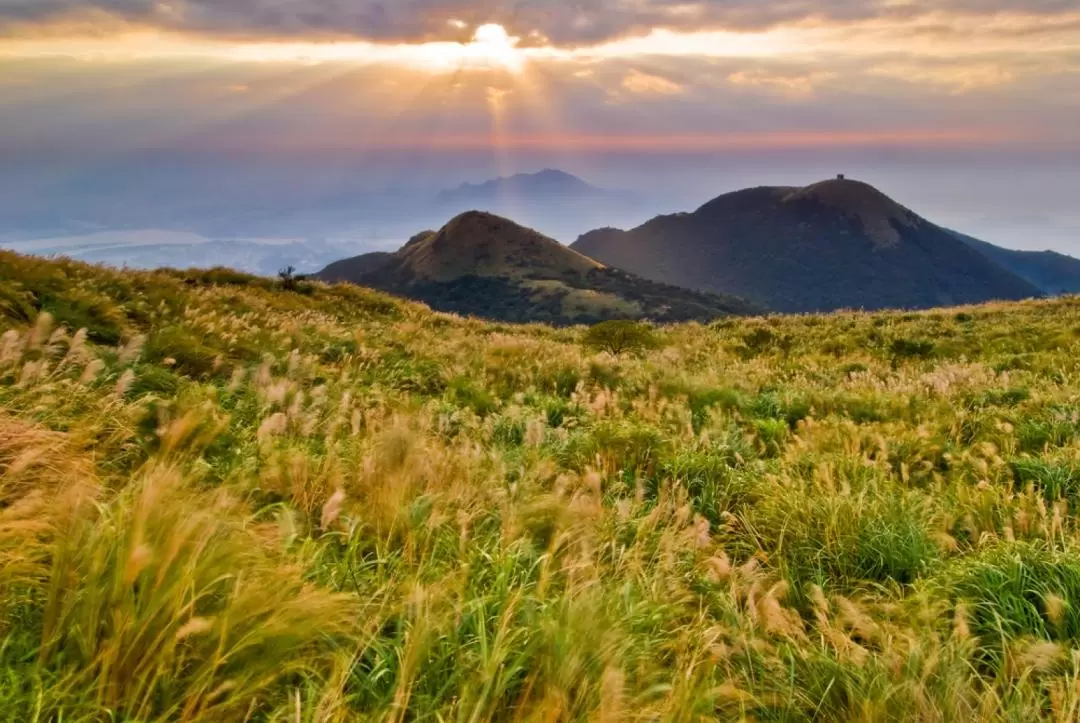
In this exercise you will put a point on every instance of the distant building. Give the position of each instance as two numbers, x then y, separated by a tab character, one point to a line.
840	176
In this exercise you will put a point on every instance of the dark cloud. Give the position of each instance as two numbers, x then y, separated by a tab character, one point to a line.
561	21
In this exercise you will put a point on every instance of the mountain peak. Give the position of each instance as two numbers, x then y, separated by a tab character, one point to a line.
471	219
877	213
478	243
831	245
554	173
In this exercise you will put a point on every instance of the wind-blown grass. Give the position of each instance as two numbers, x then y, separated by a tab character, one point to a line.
224	500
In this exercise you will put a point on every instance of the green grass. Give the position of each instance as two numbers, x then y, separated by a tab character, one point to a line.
221	500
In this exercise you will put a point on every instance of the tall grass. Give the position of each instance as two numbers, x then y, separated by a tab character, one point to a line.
222	500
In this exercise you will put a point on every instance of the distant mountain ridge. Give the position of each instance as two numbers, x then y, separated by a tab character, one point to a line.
531	186
831	245
558	203
1052	272
484	265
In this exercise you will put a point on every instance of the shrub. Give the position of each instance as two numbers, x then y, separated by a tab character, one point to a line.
762	340
78	309
290	280
221	276
16	303
465	394
911	349
186	352
154	380
621	337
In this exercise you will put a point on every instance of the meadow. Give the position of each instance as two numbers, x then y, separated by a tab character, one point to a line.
224	500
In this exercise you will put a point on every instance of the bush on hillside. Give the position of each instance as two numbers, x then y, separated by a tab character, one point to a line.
621	337
16	303
77	308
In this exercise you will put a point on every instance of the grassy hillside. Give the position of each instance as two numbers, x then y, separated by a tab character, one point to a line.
483	265
833	245
221	500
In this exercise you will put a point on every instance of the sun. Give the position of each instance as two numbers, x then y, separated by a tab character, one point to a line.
491	47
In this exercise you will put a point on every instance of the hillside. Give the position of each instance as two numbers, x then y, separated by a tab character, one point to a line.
483	265
355	267
833	245
225	501
1053	273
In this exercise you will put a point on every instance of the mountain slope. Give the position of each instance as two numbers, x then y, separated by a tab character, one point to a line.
1053	273
356	266
835	244
484	265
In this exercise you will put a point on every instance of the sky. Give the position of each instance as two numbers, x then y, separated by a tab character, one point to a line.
965	110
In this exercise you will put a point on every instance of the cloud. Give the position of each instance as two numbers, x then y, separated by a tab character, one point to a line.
785	83
641	83
955	78
115	107
560	22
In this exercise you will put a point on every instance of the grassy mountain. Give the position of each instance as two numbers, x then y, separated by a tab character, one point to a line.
224	501
836	244
355	267
484	265
1053	273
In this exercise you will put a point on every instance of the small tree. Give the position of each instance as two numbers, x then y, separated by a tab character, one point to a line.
290	280
621	337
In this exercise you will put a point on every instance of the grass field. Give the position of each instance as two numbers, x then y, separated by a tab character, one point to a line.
225	501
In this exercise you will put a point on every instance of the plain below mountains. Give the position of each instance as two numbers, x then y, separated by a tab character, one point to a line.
832	245
484	265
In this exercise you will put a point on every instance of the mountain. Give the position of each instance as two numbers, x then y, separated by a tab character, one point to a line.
1053	273
355	267
832	245
557	203
549	183
484	265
